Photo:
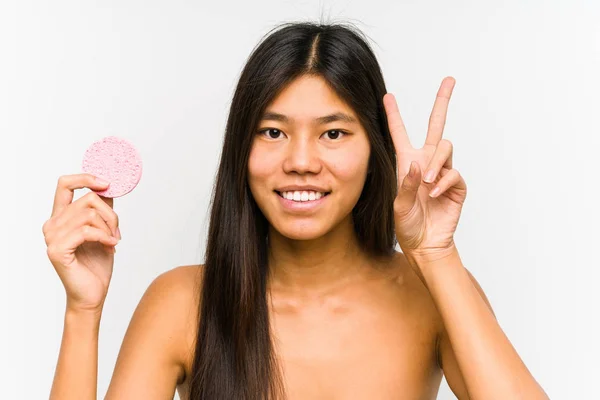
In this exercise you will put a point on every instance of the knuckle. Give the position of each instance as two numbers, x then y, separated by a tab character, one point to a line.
51	250
48	227
86	230
91	214
91	198
115	218
448	144
454	174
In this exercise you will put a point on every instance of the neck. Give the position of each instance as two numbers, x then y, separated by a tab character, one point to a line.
316	266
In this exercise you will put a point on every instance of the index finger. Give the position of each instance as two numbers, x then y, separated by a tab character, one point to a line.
396	125
66	186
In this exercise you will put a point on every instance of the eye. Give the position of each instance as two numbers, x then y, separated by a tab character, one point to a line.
336	135
272	132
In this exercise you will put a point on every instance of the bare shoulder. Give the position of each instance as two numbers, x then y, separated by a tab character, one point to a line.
183	285
412	298
178	292
419	292
181	282
408	279
416	294
157	343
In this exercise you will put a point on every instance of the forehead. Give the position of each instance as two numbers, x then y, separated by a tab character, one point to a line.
309	98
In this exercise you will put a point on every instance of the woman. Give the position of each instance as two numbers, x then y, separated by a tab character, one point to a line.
302	294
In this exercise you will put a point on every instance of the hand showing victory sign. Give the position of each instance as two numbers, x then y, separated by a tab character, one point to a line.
425	219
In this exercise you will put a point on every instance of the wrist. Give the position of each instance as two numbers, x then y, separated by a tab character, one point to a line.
422	258
83	316
76	308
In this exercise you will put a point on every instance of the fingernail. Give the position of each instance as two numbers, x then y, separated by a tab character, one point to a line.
119	233
429	176
102	182
435	191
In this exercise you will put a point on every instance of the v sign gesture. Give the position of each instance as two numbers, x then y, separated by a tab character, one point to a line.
477	358
426	213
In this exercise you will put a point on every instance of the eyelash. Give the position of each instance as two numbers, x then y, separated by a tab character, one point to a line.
275	129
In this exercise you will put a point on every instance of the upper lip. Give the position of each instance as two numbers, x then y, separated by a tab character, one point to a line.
293	188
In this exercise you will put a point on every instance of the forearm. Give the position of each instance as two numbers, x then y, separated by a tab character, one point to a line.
490	365
77	367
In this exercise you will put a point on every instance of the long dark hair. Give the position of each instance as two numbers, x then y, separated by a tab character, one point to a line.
234	356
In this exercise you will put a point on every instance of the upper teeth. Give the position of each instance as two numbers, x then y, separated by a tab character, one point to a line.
302	195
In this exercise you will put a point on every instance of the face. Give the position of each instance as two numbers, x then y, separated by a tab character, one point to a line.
320	164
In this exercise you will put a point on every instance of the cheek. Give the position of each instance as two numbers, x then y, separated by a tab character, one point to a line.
261	166
350	166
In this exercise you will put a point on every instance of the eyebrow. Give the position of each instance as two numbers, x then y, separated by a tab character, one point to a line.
338	116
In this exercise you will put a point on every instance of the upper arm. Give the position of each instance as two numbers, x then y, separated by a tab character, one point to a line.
151	359
447	358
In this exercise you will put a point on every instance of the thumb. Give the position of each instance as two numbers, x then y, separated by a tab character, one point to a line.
410	186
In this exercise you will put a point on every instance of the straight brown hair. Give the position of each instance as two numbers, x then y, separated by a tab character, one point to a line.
234	355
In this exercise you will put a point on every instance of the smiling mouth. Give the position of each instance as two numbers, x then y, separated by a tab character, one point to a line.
280	195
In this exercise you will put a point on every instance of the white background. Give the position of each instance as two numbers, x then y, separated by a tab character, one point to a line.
523	120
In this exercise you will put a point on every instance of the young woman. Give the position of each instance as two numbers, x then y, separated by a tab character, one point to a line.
302	294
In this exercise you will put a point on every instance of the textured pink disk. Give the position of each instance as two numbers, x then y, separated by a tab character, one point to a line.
115	160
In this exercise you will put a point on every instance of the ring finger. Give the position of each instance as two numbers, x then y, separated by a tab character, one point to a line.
442	158
451	178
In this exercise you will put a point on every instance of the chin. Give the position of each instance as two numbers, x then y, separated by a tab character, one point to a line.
297	230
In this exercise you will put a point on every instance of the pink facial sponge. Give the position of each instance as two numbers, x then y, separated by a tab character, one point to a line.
115	160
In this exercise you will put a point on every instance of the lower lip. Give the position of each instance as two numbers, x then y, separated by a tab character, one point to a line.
301	205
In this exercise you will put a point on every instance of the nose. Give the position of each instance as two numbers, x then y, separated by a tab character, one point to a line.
302	156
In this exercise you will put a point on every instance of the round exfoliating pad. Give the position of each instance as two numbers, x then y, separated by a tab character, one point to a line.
115	160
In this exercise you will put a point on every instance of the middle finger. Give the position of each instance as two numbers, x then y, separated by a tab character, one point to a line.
437	120
91	217
93	200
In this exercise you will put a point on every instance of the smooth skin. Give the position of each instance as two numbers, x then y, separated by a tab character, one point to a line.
345	326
